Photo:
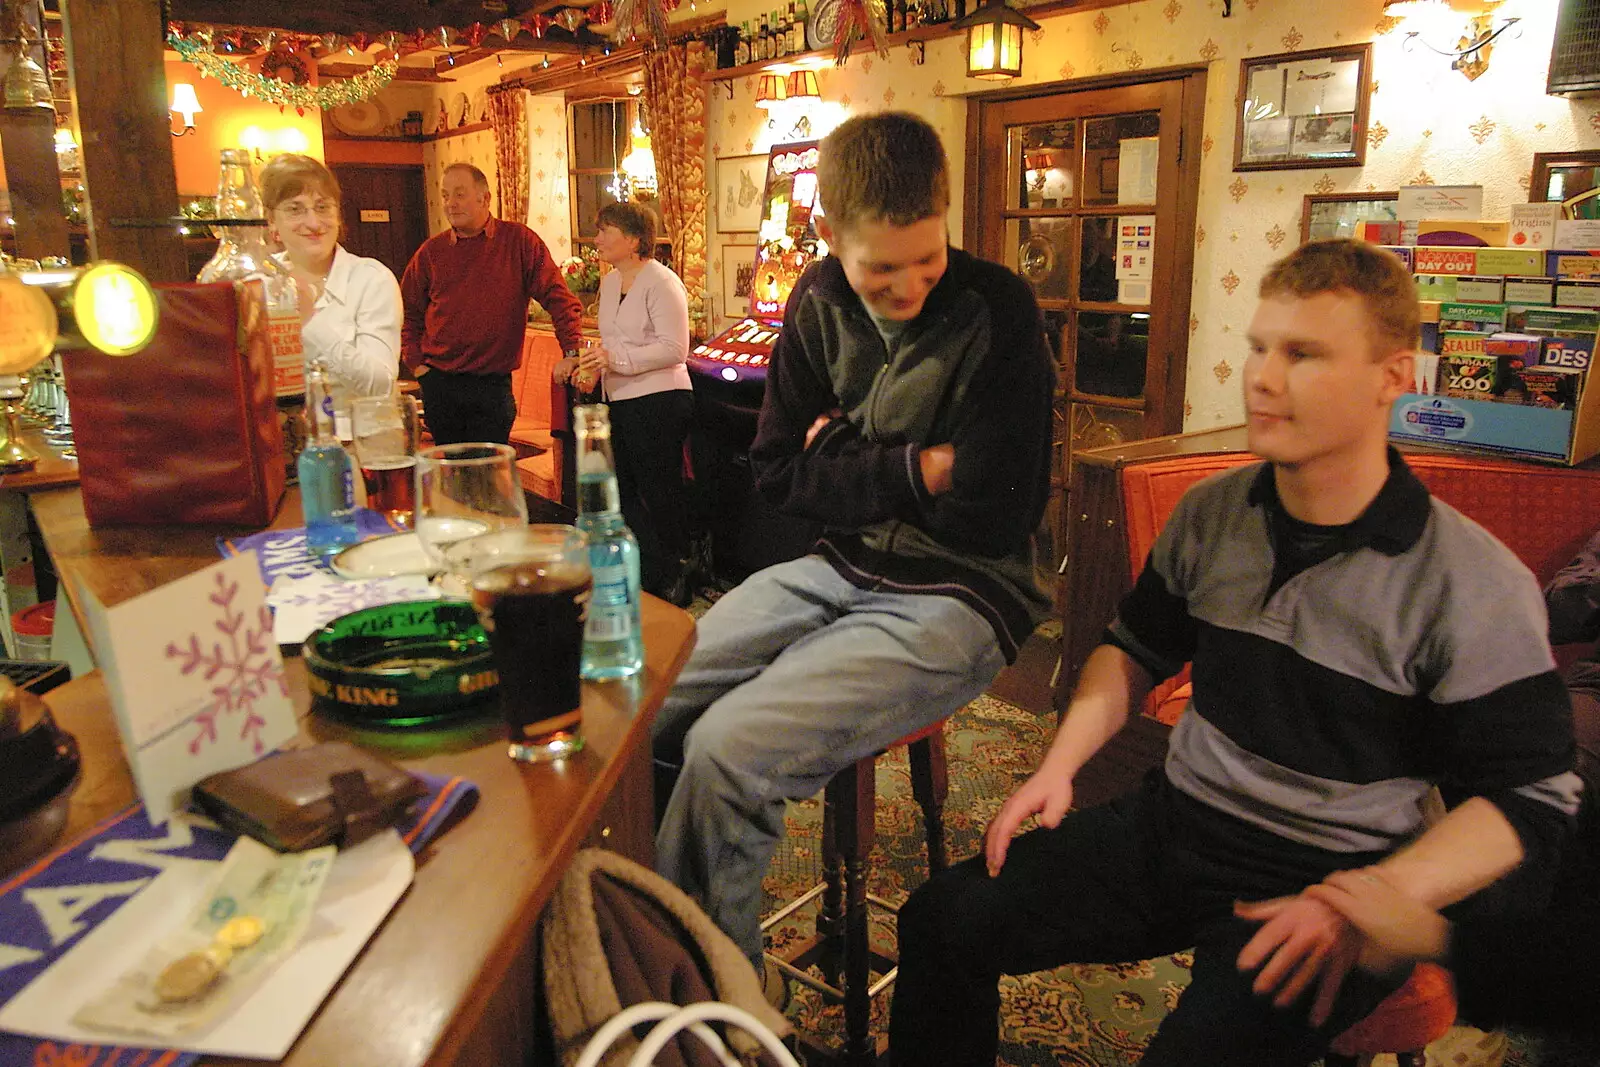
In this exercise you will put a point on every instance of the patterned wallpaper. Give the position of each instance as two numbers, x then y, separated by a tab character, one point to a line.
548	209
1427	125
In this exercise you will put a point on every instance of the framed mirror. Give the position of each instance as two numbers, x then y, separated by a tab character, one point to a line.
1341	214
1570	178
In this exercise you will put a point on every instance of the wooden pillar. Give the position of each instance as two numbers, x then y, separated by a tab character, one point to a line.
118	81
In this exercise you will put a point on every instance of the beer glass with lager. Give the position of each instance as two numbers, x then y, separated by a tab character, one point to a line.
531	586
385	429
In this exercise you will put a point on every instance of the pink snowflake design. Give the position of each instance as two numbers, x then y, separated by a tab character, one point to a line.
241	666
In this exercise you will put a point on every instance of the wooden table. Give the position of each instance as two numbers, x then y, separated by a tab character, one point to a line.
451	975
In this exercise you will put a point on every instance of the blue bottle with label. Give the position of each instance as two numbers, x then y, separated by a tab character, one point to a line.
327	477
613	642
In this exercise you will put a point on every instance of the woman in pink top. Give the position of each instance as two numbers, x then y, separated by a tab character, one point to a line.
642	359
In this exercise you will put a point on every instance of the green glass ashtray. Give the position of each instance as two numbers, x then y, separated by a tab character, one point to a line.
407	664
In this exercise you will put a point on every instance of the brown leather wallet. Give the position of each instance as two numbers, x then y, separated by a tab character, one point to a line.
331	793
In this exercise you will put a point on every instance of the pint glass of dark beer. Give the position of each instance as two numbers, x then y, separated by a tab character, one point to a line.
386	431
531	586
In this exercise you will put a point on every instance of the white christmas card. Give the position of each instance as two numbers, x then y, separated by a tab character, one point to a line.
195	679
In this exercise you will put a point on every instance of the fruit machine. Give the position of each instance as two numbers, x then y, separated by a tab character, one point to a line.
729	373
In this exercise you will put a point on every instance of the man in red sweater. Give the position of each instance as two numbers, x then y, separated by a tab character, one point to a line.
466	297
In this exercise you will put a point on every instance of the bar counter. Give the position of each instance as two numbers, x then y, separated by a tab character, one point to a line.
451	975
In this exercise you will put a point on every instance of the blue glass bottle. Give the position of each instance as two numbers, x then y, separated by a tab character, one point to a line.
327	479
613	643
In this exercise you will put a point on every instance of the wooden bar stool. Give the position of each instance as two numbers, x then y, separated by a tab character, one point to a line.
841	948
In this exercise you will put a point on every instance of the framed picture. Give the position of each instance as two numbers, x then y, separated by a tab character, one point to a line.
738	271
1303	109
1341	214
741	182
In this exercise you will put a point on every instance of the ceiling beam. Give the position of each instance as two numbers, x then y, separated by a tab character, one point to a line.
403	73
556	41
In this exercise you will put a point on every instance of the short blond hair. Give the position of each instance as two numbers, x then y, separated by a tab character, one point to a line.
1375	275
885	167
288	175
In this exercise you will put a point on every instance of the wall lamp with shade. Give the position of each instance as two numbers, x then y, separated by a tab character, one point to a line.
803	86
771	89
1471	53
185	103
994	40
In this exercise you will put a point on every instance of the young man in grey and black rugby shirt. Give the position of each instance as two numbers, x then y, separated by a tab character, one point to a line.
1354	642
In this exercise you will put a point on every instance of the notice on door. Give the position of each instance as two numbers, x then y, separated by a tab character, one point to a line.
379	215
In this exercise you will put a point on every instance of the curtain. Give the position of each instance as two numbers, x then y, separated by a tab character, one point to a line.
677	99
508	117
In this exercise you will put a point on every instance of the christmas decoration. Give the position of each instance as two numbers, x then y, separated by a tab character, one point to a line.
858	20
363	86
537	24
473	34
390	40
360	41
647	18
571	19
508	29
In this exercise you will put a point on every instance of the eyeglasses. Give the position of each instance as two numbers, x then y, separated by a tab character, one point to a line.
324	210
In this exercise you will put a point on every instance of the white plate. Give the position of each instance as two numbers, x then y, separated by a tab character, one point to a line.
401	553
365	883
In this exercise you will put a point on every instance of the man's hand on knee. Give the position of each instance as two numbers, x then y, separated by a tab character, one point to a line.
1303	941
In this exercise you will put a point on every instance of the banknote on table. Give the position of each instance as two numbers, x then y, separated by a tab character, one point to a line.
254	911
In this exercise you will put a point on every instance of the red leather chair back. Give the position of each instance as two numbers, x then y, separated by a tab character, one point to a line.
1544	514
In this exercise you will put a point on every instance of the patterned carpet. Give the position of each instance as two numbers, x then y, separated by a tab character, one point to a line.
1081	1016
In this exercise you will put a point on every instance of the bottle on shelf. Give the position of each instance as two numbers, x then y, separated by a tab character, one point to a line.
327	479
780	19
741	51
613	641
763	41
799	18
896	21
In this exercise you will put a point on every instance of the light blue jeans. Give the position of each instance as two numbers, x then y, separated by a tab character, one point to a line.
796	674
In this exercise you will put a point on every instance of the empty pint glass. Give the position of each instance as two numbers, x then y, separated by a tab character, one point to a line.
531	587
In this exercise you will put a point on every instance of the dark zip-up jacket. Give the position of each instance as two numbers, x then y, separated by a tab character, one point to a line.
972	369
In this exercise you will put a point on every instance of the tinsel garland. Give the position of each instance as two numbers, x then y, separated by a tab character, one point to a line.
363	86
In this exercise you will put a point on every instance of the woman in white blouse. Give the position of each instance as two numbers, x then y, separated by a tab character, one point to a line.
349	305
642	358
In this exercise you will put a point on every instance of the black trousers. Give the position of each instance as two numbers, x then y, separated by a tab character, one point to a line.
647	435
1149	874
467	407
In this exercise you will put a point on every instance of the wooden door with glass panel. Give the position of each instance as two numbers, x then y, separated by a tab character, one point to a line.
1088	195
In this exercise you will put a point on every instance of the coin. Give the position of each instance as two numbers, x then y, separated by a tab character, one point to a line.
241	932
187	976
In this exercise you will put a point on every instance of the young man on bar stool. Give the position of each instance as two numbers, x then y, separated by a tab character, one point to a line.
908	408
1354	642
